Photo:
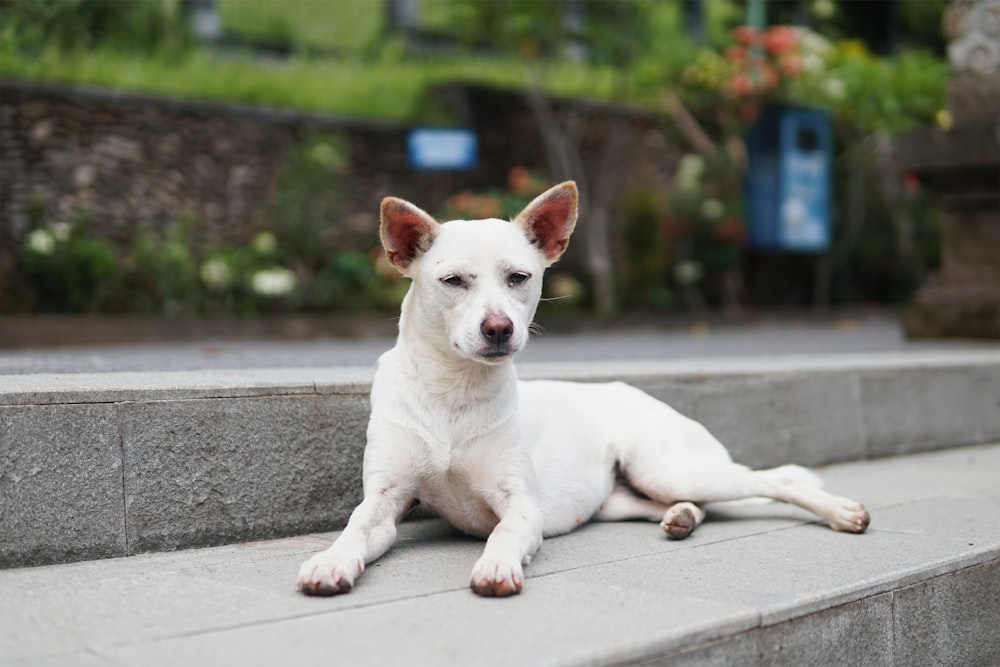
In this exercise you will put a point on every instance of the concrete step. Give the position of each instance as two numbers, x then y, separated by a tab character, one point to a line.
760	584
98	465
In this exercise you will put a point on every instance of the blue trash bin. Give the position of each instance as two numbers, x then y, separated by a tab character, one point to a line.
786	187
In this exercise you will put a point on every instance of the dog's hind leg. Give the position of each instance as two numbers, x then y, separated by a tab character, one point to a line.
730	481
624	504
681	518
792	486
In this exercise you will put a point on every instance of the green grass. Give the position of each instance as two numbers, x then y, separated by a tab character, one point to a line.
349	26
369	78
390	90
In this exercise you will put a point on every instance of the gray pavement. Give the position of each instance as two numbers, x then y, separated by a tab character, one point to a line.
132	449
128	449
766	338
756	584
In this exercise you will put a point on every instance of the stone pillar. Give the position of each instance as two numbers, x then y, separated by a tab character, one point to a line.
961	167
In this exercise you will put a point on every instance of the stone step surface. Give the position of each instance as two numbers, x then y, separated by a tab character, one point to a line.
756	584
122	451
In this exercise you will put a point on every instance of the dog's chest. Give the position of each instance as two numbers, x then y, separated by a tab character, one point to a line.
460	499
460	440
464	464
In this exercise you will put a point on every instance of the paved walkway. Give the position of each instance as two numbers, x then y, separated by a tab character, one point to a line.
767	338
756	584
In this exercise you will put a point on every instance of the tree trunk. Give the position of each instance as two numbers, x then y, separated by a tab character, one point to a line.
563	153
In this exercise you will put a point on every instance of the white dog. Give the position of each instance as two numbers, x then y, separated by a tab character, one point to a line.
452	428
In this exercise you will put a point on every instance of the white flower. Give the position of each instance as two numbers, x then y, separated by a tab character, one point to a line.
264	243
688	272
823	9
215	273
42	242
813	63
273	282
813	43
689	172
712	209
61	231
323	153
835	88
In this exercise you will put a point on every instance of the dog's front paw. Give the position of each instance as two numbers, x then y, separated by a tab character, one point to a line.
324	574
849	516
492	577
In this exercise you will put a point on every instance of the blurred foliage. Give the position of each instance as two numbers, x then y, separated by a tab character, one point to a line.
389	89
725	89
344	62
650	250
684	241
885	26
140	27
794	65
289	264
340	60
352	29
599	31
67	270
889	252
522	186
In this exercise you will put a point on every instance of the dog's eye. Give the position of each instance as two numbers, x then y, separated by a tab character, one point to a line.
517	278
453	281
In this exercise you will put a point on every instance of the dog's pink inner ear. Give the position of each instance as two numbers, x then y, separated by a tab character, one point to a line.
406	231
550	219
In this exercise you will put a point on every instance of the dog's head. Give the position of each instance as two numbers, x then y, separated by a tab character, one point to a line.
476	283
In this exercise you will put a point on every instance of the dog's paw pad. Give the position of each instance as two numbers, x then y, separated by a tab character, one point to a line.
319	576
496	578
678	524
496	589
325	588
851	517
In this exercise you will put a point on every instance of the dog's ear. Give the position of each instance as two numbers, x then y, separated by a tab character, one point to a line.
549	220
406	231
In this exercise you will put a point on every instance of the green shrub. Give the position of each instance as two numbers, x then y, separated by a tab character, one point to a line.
67	270
72	26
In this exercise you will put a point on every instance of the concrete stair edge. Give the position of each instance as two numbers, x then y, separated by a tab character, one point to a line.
113	464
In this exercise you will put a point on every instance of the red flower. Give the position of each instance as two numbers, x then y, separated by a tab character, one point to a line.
741	84
676	227
750	112
779	39
736	53
911	183
731	230
518	179
744	34
790	64
767	76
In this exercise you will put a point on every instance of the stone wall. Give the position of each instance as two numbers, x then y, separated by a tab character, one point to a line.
129	160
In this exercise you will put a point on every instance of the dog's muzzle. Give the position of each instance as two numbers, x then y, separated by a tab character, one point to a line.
497	332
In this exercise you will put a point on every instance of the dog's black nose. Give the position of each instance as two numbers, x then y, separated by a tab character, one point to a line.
497	329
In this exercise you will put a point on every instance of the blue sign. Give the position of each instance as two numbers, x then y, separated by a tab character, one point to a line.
787	183
440	148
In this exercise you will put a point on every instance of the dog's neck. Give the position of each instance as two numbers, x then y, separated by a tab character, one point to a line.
446	377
